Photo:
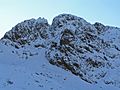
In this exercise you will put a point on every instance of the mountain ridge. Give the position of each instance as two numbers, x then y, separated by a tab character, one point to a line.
89	51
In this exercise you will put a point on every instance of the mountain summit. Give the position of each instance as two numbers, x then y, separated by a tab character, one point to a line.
70	44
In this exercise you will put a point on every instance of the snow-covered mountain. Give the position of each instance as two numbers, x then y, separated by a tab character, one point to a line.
69	54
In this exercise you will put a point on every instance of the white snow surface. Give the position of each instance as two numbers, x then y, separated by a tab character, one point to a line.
35	73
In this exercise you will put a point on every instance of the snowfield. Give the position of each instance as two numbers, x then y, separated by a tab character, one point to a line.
36	73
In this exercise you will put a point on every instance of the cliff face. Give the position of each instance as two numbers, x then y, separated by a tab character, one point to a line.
90	51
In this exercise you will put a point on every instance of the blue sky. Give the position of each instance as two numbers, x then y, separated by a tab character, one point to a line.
15	11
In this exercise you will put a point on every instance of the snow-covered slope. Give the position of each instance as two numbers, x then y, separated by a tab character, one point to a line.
36	73
69	54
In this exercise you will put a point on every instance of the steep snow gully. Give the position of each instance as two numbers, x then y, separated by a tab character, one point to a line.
69	54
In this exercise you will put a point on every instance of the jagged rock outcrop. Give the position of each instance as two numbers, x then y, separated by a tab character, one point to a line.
90	51
74	46
27	31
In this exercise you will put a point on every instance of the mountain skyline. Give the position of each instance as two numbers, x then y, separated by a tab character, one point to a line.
15	11
71	53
